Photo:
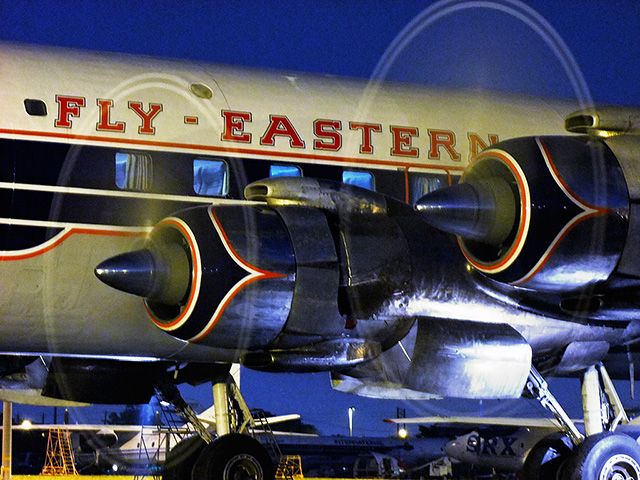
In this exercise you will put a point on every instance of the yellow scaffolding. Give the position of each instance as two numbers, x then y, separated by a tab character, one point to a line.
59	459
289	468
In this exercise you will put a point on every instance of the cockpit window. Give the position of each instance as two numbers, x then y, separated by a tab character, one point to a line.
134	171
359	179
284	171
210	177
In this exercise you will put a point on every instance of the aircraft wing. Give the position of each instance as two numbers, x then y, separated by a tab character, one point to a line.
475	421
283	418
80	427
35	397
208	417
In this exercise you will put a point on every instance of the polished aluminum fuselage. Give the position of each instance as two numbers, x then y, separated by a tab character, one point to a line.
50	300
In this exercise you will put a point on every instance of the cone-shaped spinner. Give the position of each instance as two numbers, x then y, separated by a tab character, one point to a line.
483	211
161	274
131	272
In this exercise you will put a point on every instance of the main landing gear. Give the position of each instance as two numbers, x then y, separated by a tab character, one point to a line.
599	454
234	454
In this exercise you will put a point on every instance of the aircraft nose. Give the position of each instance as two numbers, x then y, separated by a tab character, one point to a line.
453	448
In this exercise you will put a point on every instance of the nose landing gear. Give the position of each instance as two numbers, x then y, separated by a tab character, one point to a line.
234	454
233	457
605	456
599	454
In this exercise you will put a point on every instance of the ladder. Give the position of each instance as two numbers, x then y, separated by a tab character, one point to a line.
260	427
150	455
169	430
59	458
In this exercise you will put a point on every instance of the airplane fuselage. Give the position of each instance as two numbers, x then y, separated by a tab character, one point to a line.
97	149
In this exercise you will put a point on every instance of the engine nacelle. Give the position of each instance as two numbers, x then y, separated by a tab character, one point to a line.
278	279
219	276
546	213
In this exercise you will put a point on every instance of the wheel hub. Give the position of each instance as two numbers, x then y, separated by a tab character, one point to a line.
620	467
242	467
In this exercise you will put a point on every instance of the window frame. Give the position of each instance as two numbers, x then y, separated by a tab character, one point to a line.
225	184
359	172
286	166
125	180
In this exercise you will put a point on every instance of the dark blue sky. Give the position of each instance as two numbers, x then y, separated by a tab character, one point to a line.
480	45
479	48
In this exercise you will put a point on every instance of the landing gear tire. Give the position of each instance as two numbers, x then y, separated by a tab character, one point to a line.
181	459
606	456
233	457
546	458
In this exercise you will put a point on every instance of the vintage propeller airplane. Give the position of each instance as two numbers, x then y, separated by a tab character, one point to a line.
161	220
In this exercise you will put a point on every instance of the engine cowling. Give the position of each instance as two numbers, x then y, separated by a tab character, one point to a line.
546	213
283	284
321	276
219	276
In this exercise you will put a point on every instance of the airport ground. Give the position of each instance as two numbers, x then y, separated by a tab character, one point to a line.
107	477
102	477
132	477
75	477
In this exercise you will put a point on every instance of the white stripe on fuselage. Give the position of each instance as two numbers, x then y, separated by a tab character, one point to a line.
69	226
117	193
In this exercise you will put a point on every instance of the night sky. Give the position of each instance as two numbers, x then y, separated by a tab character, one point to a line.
480	47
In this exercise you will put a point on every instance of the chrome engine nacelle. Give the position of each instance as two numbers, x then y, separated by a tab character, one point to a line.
238	288
544	213
318	277
269	277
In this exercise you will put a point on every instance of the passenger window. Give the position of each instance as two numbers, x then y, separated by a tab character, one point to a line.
424	183
284	171
210	177
359	179
134	171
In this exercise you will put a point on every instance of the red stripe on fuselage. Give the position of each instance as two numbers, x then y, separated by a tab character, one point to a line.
64	236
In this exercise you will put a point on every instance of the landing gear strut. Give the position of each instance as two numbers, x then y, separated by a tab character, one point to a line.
233	455
603	454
